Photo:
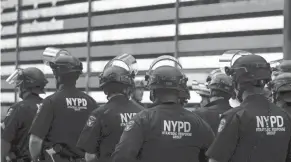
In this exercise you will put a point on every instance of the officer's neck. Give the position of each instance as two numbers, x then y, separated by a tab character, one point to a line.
27	94
253	91
67	85
168	99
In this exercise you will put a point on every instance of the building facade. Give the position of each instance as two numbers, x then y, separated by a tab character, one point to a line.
96	31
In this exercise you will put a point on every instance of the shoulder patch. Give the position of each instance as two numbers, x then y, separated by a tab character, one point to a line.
91	121
221	125
129	125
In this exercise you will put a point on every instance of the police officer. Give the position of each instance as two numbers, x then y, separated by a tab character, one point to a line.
30	82
203	91
221	90
257	130
137	93
281	87
63	114
166	132
105	124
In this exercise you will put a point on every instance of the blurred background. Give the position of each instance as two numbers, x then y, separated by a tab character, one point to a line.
196	32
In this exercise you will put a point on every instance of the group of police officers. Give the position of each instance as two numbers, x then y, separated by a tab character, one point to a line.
69	125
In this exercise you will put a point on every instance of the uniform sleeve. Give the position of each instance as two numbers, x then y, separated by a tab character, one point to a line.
207	137
43	119
200	114
132	139
12	122
289	153
225	143
89	139
94	104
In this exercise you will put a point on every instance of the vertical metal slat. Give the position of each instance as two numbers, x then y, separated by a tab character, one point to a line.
18	32
88	46
177	7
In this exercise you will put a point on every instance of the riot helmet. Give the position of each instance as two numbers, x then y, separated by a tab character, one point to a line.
66	68
118	75
247	71
221	86
281	87
281	84
61	61
202	90
209	77
164	76
31	80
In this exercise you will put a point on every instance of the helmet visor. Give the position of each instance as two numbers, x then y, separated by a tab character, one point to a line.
200	88
228	58
50	54
125	61
165	61
14	78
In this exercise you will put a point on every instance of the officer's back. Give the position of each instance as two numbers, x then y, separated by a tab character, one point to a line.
63	114
173	134
221	90
263	130
16	125
212	112
113	117
166	132
105	125
71	108
257	130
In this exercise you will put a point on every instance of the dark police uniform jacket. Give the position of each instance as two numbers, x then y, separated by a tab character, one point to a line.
165	133
105	125
212	112
17	124
287	108
62	117
256	131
